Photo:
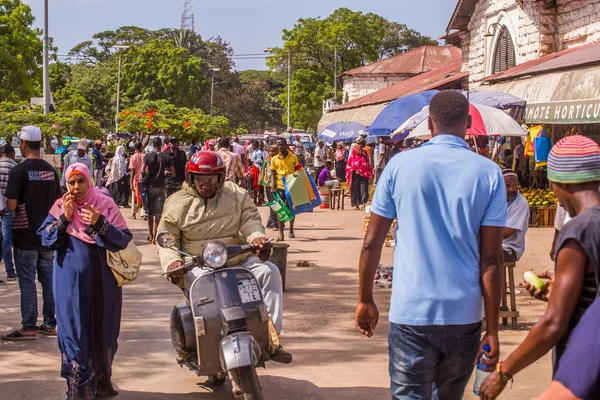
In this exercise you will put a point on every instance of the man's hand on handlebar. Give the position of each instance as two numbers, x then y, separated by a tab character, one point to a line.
260	250
177	275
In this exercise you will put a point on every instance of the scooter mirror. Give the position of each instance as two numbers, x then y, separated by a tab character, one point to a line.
165	239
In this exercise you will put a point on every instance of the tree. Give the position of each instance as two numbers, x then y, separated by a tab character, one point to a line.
359	39
160	70
20	52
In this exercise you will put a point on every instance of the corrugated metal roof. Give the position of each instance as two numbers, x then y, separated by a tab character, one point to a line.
430	80
576	57
414	62
462	15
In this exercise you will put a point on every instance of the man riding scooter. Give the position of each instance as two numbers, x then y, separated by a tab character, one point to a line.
209	209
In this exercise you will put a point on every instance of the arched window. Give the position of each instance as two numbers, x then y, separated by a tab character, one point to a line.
504	57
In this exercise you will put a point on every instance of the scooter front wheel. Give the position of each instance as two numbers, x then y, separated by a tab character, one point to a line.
250	383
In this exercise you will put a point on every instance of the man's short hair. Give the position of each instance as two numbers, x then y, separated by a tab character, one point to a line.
255	142
33	145
7	149
224	143
138	145
328	163
157	142
449	108
193	142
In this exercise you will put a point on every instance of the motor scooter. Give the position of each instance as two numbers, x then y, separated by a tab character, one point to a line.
222	328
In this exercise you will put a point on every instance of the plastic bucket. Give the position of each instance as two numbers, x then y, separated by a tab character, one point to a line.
279	258
324	197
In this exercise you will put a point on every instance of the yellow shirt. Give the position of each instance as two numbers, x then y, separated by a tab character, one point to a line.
284	167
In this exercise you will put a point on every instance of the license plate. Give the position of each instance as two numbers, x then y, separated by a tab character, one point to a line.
249	290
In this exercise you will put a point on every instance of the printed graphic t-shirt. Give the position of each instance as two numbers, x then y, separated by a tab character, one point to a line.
35	185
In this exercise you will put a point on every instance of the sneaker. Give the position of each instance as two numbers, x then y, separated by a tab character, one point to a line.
12	277
281	356
44	330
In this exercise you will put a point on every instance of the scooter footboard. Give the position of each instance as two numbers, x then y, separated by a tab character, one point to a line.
239	350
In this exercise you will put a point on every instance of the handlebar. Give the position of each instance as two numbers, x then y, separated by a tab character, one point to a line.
232	251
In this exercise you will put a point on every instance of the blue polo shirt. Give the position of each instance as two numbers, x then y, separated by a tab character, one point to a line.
442	194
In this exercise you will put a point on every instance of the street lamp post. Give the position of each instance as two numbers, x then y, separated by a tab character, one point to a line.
212	88
45	79
119	87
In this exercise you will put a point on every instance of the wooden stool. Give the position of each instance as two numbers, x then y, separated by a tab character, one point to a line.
509	269
336	199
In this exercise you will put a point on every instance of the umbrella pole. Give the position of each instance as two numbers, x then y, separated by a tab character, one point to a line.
475	141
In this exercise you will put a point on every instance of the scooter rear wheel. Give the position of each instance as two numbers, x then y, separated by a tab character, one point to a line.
250	383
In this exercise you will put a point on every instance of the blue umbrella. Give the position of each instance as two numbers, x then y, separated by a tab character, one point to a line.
398	111
513	105
342	132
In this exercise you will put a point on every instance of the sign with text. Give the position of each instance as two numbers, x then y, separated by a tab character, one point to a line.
564	112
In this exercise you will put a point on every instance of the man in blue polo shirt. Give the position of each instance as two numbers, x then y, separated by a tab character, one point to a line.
451	209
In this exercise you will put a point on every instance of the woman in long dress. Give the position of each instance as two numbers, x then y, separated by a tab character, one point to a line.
340	162
81	227
358	173
117	182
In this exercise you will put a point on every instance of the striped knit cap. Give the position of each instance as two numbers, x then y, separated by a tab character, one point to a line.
574	159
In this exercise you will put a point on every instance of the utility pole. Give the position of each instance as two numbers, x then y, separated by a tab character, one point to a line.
212	88
335	63
289	88
46	80
119	87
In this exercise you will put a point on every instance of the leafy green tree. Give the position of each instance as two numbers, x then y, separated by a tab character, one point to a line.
20	52
98	85
160	70
359	39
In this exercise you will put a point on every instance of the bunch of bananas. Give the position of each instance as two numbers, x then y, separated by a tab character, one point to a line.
539	197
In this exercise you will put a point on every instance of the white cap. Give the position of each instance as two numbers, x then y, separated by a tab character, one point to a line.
83	144
31	133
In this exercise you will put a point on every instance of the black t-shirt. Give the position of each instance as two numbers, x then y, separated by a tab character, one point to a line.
179	161
35	185
157	164
585	230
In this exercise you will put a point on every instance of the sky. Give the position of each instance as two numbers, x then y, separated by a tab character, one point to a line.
249	26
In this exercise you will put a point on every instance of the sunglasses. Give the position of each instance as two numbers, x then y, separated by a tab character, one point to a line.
206	180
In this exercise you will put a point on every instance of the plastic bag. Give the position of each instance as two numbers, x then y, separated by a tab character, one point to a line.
280	209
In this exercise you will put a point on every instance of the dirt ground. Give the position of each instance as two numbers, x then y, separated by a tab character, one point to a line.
331	360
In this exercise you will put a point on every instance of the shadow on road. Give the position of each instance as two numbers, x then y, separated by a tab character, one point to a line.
274	388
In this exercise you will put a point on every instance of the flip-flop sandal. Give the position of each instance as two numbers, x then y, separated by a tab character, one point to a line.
149	239
17	336
46	331
292	236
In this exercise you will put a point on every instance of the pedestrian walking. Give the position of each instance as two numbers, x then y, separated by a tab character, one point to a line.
574	171
33	186
81	227
7	162
117	183
136	163
156	167
265	181
239	149
77	156
179	158
234	171
320	158
282	165
257	158
358	173
98	163
451	211
340	162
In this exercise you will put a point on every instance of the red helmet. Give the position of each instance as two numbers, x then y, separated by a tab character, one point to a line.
205	163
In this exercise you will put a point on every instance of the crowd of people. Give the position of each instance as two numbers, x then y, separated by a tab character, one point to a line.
460	217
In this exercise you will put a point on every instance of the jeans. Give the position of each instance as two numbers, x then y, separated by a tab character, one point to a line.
432	362
7	255
28	262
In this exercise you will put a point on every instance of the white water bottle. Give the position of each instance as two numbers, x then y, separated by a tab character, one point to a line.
480	374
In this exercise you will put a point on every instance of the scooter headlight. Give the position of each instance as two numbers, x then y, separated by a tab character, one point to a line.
214	254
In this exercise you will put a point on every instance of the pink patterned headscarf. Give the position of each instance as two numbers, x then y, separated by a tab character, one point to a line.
94	197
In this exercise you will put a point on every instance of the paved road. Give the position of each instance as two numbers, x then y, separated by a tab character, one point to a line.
332	362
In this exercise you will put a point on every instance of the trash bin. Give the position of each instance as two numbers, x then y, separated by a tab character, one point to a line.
279	258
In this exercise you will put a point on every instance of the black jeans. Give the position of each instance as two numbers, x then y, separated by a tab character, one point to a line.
432	361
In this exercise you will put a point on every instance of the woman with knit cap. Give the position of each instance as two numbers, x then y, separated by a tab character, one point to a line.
574	171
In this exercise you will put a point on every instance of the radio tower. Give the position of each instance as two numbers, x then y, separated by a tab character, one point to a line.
187	16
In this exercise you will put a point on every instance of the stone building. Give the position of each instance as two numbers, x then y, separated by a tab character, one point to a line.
379	75
495	35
